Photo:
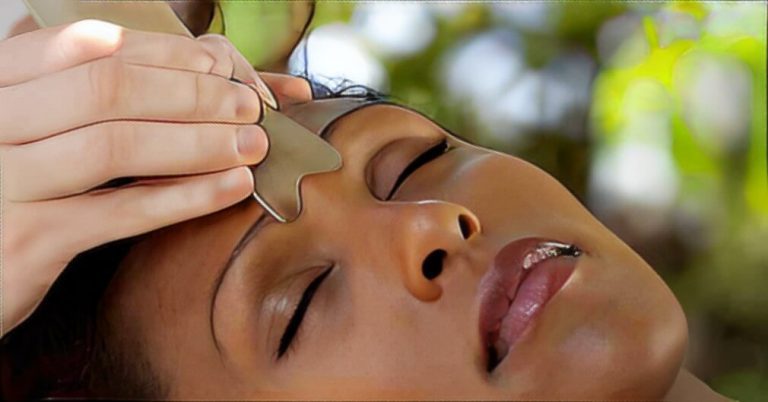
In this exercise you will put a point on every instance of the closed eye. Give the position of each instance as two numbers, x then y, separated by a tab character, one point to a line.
292	329
427	156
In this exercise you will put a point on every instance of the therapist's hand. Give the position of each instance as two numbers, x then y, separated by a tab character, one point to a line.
86	103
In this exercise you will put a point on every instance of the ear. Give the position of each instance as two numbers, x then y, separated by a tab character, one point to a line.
287	88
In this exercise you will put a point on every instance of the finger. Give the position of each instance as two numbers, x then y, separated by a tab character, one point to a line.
51	50
242	69
176	52
81	223
101	217
108	89
85	158
287	88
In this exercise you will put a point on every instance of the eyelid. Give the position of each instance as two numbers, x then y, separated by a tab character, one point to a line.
385	168
424	158
293	328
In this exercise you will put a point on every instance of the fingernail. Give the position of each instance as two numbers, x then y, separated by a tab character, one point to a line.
263	90
251	142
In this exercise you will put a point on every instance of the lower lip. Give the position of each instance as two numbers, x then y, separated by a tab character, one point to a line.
539	285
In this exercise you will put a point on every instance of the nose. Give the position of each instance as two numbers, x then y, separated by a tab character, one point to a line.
432	233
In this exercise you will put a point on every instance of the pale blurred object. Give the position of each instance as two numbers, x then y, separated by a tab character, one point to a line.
717	97
673	26
529	16
447	9
520	106
333	53
395	29
736	18
620	42
479	69
638	182
478	72
567	92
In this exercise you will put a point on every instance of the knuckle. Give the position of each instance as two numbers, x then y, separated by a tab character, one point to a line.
210	97
200	196
218	49
91	39
217	40
106	148
201	106
203	61
106	79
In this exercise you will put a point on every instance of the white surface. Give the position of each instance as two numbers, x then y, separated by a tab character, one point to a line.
10	12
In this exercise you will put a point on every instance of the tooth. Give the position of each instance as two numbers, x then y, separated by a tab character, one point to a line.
549	250
527	263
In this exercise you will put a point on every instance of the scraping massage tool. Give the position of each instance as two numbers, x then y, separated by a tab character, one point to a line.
296	149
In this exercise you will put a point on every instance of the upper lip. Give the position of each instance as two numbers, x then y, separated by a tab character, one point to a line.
498	286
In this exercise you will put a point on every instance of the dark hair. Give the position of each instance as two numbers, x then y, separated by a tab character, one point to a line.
67	348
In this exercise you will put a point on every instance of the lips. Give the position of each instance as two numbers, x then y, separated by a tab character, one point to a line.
525	274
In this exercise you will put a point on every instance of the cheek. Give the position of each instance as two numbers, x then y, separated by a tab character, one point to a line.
386	346
616	317
511	196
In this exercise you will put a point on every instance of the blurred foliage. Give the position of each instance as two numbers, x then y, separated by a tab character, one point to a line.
684	79
268	38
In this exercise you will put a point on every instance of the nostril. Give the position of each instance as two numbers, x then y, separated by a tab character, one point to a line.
465	225
433	264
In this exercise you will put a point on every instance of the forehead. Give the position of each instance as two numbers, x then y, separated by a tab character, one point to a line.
210	240
165	287
378	120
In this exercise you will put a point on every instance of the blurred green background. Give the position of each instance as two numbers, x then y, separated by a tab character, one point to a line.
651	113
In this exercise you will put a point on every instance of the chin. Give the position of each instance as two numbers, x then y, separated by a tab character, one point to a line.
651	336
614	331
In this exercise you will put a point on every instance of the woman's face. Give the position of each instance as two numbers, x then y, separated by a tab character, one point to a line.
374	326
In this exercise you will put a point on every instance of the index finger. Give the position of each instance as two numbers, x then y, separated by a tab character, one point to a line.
46	51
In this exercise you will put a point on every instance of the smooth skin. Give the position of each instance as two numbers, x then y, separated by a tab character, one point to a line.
85	103
377	328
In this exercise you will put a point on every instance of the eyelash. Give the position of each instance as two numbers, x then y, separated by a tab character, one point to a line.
427	156
291	333
290	337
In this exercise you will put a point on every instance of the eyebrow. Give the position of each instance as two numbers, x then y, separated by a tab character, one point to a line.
251	234
246	239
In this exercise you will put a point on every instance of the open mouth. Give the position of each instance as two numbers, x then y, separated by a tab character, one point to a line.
525	274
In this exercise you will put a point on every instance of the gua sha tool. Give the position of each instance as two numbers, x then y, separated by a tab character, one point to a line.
296	149
278	179
153	16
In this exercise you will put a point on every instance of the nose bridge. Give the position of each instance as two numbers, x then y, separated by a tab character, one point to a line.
410	243
427	237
